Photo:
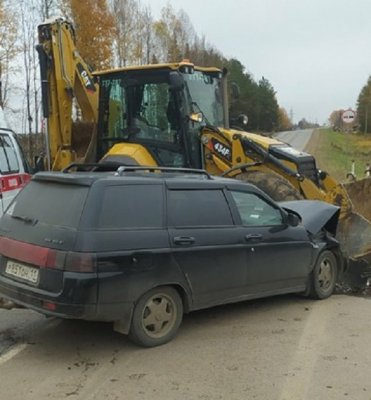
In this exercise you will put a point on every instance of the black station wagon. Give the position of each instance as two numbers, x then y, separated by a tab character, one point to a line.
140	247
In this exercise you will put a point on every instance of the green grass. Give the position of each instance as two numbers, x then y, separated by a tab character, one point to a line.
334	152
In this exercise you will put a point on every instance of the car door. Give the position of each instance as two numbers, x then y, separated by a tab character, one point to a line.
206	244
279	256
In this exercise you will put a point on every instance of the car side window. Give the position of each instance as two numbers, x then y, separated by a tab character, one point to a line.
198	208
255	211
131	206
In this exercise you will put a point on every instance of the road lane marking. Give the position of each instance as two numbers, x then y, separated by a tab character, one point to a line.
12	352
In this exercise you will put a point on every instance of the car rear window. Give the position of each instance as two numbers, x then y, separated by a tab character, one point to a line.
50	203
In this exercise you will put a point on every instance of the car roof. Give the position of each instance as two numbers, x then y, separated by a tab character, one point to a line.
172	179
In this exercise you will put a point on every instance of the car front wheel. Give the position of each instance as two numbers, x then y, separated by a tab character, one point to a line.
157	317
324	276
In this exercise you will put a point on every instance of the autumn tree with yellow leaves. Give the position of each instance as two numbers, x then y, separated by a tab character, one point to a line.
284	122
95	31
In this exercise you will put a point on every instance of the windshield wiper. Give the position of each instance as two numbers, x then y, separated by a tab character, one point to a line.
26	220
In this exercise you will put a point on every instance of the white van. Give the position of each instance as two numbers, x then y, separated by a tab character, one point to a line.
14	171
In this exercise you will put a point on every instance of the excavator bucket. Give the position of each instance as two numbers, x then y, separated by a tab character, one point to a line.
360	194
356	226
354	233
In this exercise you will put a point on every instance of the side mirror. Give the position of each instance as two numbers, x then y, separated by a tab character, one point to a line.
293	219
235	91
39	163
322	175
176	81
239	123
243	119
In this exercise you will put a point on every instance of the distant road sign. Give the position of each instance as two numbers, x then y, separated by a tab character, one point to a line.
348	116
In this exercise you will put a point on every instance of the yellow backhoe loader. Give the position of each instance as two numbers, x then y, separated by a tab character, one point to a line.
172	115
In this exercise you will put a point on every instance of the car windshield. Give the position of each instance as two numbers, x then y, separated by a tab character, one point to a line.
206	95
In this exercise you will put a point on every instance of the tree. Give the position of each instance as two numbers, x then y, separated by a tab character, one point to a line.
335	119
134	33
127	13
174	35
28	44
47	8
95	29
267	110
8	48
284	122
364	107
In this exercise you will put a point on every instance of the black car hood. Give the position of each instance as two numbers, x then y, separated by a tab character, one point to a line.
315	214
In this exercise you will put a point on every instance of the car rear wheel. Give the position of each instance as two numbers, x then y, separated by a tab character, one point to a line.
324	276
157	317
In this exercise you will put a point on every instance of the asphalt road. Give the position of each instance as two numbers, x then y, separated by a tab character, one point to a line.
298	139
279	348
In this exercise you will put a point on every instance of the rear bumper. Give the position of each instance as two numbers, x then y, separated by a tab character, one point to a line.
77	300
46	304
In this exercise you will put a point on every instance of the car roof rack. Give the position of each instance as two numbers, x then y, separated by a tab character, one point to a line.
120	169
107	166
131	168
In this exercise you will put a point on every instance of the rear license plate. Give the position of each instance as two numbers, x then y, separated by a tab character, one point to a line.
23	272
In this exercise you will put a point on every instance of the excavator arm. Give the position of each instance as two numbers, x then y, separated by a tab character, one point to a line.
68	89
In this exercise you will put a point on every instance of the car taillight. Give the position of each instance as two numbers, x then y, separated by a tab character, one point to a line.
71	261
44	257
80	262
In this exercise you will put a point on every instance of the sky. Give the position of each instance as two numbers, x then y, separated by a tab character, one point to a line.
315	53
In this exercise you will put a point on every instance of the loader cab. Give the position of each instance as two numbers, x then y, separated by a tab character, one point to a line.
159	110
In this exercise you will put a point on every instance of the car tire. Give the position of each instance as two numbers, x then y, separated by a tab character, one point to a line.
156	317
324	276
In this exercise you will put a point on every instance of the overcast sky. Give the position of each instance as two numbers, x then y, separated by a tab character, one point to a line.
315	53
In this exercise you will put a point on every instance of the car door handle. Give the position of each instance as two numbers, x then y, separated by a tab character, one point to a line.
253	236
184	240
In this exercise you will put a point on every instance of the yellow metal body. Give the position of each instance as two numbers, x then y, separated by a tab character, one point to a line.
132	150
68	83
329	190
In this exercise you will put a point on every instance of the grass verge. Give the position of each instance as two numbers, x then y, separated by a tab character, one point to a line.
334	152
